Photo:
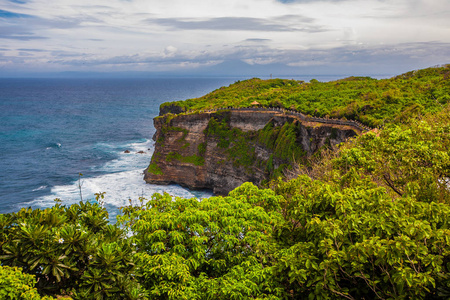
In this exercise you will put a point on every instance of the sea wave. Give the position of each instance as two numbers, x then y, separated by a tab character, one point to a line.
120	179
53	146
42	187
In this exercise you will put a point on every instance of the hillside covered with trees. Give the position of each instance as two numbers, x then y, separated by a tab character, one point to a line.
372	102
369	221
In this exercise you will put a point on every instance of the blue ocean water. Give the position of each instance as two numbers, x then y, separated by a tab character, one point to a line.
53	129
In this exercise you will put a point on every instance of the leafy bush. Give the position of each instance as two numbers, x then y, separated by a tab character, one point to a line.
213	249
16	285
375	222
70	250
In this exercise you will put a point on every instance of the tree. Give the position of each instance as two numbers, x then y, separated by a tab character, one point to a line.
70	250
216	248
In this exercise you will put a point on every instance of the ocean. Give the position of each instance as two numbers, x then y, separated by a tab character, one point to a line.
51	130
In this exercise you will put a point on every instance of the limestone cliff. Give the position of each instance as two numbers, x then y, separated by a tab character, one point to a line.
220	150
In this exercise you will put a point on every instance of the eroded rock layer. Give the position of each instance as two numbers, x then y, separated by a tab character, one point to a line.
221	150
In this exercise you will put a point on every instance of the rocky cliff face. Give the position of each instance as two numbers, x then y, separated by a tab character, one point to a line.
221	150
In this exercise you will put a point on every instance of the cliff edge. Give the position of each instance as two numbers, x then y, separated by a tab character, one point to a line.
222	149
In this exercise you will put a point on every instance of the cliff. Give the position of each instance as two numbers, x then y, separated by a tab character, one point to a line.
222	149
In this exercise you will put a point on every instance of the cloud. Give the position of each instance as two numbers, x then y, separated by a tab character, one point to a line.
18	1
18	33
9	14
307	1
14	27
31	50
258	41
21	37
142	35
170	51
345	59
293	19
239	24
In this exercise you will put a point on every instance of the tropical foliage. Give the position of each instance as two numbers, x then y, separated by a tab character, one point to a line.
14	284
372	102
375	222
70	250
370	221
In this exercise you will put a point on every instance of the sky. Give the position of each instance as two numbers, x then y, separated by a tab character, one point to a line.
222	37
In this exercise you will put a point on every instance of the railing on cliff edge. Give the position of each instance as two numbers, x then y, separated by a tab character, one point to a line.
301	116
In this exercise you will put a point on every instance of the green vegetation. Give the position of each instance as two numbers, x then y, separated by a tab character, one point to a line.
239	146
283	140
154	168
68	250
166	129
14	284
201	149
370	101
191	159
234	141
370	221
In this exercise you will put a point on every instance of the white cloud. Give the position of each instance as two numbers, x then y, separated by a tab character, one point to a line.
134	34
170	51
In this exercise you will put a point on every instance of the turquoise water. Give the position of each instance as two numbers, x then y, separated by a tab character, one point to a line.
53	129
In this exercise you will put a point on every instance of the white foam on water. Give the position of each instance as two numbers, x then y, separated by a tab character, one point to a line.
139	156
42	187
118	188
123	180
53	146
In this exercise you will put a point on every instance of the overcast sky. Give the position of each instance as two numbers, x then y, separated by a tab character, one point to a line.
221	37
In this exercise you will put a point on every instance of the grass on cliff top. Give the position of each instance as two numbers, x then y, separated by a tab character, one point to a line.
370	101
